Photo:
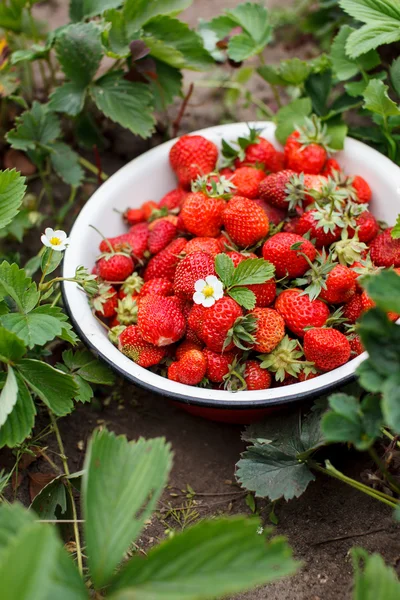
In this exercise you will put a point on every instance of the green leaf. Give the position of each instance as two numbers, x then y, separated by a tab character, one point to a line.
290	116
355	88
83	9
8	395
15	285
318	87
396	229
69	98
79	52
55	388
337	132
252	271
66	582
271	74
224	268
384	289
274	465
254	20
241	47
50	260
126	103
13	518
373	579
65	162
391	402
395	75
373	327
376	99
35	126
244	297
294	71
12	348
38	327
138	12
12	192
122	483
369	378
88	367
167	86
382	24
115	37
36	51
51	501
21	420
201	563
344	66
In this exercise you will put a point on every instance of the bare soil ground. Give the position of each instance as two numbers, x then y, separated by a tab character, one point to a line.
327	520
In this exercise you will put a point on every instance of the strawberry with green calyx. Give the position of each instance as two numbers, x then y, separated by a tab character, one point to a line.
255	376
160	320
327	348
131	286
357	188
105	301
191	156
234	380
252	150
190	369
216	323
301	187
299	312
114	333
340	285
245	222
330	167
132	344
273	189
218	365
306	149
127	310
113	266
242	333
165	262
286	252
348	250
356	344
210	209
315	278
247	180
385	250
161	235
270	329
323	223
157	213
366	227
214	185
286	359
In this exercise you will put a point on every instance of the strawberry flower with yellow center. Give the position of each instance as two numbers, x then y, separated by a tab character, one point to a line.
208	291
56	240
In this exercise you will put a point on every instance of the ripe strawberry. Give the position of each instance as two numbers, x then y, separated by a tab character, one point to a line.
131	343
173	199
299	312
133	216
196	265
275	215
385	251
353	308
185	346
226	172
138	237
309	222
355	344
362	189
367	227
265	293
191	368
327	348
164	263
161	235
288	262
185	306
160	321
105	302
255	377
210	209
303	154
270	329
258	151
192	336
203	244
273	188
158	286
192	155
245	222
115	267
218	365
330	167
247	181
195	319
216	323
148	208
173	372
340	285
276	162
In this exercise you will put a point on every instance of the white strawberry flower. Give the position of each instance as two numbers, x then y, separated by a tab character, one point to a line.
56	240
208	291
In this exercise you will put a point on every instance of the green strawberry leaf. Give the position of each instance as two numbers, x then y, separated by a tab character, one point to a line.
373	579
8	395
395	75
138	12
391	402
84	364
20	289
80	10
224	268
21	419
294	71
344	66
376	99
52	501
12	348
167	86
35	126
12	192
396	229
68	98
65	162
384	288
244	297
251	271
291	116
256	30
37	327
79	52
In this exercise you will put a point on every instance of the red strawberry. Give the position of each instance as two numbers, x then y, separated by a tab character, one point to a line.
247	181
245	222
353	308
273	188
288	262
202	215
216	323
196	265
363	191
133	216
355	344
196	318
160	321
258	151
270	329
385	251
138	237
203	244
309	222
299	312
184	305
106	301
327	348
173	199
255	377
265	293
173	372
115	267
218	365
161	235
148	208
367	227
192	336
185	346
275	215
277	162
165	262
158	286
192	155
131	343
302	153
191	368
330	167
340	285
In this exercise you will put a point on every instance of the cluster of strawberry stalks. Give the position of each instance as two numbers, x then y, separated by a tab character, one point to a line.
249	276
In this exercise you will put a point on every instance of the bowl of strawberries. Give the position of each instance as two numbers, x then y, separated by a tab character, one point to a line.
229	268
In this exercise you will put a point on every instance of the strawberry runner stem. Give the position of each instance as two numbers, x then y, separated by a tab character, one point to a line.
381	466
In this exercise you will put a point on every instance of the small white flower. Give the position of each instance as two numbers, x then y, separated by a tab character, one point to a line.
208	291
56	240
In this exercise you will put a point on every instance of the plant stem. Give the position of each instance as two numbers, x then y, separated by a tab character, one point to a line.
64	461
381	466
390	436
47	187
56	299
46	267
91	167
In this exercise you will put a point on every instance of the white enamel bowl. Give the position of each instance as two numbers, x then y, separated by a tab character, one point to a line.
149	177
